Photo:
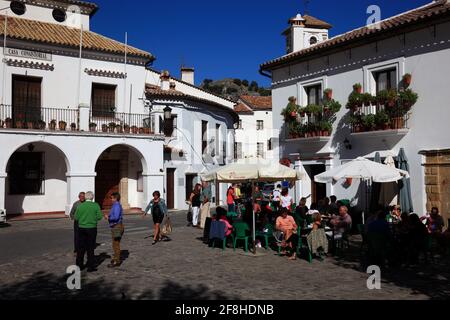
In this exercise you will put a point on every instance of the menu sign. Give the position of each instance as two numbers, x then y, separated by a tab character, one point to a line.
28	54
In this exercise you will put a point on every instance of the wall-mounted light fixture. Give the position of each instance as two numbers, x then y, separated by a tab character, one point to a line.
347	144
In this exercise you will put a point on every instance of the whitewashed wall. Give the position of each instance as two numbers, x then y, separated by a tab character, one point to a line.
423	55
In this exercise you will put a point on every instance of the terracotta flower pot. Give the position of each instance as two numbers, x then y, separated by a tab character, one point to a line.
398	123
8	123
126	129
293	114
92	128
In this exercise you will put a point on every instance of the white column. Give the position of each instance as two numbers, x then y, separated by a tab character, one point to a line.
84	117
76	183
2	191
152	182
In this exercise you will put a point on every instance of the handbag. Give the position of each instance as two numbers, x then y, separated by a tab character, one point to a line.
167	228
189	215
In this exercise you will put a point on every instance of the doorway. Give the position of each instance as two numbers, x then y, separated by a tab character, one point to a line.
107	182
170	191
190	179
318	190
26	98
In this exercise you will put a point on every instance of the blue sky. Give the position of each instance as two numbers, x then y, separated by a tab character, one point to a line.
224	39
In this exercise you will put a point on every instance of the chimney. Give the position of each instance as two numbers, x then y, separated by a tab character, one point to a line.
187	75
165	80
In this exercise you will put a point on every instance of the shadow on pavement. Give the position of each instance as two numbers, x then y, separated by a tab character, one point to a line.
48	286
428	278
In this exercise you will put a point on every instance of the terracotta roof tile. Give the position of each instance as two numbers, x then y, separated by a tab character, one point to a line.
430	11
257	102
242	108
51	33
313	22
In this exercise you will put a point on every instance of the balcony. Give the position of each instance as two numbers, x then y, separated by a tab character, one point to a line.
74	120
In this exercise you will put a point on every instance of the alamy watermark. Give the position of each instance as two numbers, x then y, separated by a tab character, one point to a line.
374	280
74	280
373	21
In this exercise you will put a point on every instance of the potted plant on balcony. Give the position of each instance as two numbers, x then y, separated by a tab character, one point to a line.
19	121
73	126
357	87
40	125
30	124
328	94
2	124
382	120
92	127
290	112
134	129
52	125
111	127
62	125
331	107
407	78
367	99
407	99
8	123
141	130
368	122
119	128
126	128
392	98
302	112
326	128
104	127
313	109
355	101
356	123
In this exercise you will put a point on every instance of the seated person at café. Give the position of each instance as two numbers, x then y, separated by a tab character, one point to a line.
434	221
221	215
396	214
417	236
286	224
300	212
341	223
333	208
314	209
379	225
317	239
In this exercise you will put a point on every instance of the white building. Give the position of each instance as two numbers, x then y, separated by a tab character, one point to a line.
254	133
199	135
378	57
105	141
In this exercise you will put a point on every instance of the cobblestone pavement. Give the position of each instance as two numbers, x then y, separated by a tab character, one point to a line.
185	268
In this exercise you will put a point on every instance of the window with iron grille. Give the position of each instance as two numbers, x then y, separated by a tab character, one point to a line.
170	127
239	125
259	125
103	100
26	173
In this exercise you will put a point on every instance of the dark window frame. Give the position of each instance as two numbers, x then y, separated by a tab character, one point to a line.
318	94
204	137
259	125
105	109
21	171
391	78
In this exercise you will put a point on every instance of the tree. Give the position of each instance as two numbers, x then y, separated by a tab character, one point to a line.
237	82
207	83
264	92
254	86
245	83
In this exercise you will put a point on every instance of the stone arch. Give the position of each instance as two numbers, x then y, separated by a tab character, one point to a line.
45	170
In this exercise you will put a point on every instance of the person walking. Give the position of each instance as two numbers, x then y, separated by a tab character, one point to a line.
196	204
87	215
115	220
205	198
231	197
158	209
81	199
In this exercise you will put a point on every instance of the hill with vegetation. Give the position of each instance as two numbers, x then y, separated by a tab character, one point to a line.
234	88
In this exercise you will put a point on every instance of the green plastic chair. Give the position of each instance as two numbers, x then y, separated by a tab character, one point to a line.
224	244
266	235
240	233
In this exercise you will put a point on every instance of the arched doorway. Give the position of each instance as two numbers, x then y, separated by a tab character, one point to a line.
36	180
119	169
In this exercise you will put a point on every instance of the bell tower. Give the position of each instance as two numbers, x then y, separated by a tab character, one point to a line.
304	32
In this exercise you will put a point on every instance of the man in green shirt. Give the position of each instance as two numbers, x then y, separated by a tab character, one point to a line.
88	214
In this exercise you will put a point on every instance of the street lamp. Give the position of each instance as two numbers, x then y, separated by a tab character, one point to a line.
167	113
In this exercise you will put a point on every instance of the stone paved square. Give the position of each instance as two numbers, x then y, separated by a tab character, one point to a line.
35	255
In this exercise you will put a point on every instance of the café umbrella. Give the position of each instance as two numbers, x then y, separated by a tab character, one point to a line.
252	170
362	169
